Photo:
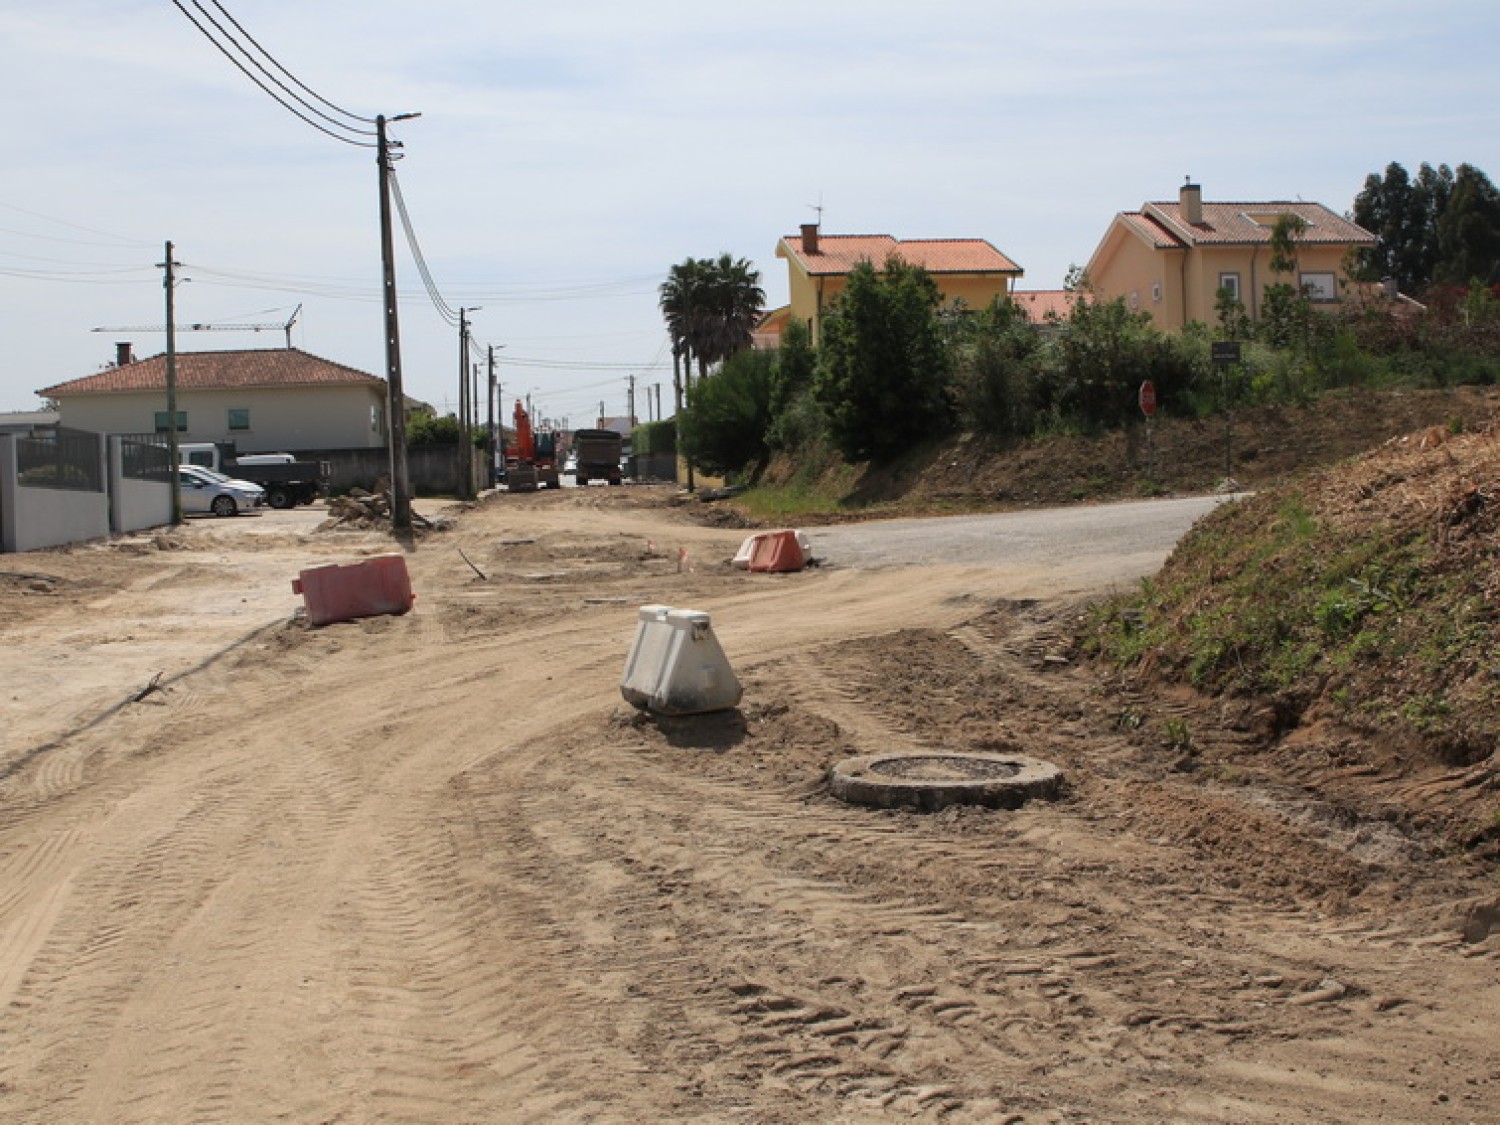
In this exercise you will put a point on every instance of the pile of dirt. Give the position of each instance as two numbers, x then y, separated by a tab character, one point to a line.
1342	632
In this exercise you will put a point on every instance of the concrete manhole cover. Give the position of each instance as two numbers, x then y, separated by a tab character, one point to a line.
932	781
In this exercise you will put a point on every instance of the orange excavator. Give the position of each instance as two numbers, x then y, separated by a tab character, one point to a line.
531	461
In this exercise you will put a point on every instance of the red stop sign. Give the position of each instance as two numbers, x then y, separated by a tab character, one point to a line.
1148	398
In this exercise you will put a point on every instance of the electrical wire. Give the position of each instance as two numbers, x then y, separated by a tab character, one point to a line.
238	27
298	113
74	226
446	311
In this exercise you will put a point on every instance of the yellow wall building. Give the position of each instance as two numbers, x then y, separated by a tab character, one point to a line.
1171	259
818	265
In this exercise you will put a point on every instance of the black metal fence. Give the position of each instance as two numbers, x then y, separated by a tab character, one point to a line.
144	456
67	459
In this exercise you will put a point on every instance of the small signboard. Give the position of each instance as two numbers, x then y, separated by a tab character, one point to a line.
1225	352
1148	398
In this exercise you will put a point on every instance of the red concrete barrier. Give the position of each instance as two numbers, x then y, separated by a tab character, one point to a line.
777	552
365	589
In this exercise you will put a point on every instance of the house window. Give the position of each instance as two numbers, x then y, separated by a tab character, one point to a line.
377	419
239	418
1320	286
161	422
1230	283
1156	292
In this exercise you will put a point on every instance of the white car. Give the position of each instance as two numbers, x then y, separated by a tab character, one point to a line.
203	490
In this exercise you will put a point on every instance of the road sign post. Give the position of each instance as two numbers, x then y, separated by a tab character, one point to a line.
1226	354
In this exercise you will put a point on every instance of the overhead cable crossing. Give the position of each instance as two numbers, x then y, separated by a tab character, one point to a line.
283	94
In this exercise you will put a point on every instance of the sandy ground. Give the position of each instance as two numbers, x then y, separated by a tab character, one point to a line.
430	868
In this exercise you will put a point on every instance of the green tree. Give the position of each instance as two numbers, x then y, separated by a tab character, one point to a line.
1468	231
727	418
710	307
884	375
1403	213
1286	309
680	299
1441	228
424	427
1104	352
796	418
996	362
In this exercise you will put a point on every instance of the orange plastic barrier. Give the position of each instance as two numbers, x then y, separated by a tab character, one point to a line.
365	589
777	552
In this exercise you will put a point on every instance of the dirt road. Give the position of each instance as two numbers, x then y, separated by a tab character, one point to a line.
432	869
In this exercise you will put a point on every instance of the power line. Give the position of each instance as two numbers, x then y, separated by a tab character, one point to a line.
284	70
283	102
446	311
73	226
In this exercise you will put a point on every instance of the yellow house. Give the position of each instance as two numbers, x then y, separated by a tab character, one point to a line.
1171	259
818	265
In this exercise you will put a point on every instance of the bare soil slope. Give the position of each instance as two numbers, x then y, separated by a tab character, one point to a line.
1256	448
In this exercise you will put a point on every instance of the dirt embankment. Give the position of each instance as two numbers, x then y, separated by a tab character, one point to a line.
1254	448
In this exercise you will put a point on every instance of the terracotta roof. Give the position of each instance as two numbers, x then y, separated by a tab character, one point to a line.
1244	224
840	253
1040	304
1152	231
229	370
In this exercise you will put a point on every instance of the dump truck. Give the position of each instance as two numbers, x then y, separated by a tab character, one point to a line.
598	456
287	481
531	460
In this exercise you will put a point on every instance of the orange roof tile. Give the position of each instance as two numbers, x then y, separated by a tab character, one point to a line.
1242	224
1152	231
1044	304
840	253
226	370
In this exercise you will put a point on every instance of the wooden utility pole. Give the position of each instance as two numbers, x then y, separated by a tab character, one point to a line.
465	442
494	443
171	286
395	393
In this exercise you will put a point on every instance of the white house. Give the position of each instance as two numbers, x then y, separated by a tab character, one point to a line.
263	400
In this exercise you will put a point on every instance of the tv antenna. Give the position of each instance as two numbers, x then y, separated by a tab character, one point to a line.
201	327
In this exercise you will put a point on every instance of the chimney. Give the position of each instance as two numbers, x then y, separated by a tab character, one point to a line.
809	238
1191	197
123	358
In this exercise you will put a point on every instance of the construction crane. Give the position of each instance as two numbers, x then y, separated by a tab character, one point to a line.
287	327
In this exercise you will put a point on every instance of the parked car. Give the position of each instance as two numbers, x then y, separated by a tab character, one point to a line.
203	490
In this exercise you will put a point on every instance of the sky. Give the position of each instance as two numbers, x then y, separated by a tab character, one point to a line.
568	154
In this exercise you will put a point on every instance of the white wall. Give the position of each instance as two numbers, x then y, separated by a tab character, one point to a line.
135	504
281	419
33	518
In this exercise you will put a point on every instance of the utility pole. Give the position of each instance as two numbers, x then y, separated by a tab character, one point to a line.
170	283
474	424
494	445
465	442
395	393
630	401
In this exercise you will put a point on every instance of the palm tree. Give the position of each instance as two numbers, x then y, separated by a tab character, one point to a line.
711	307
680	295
735	300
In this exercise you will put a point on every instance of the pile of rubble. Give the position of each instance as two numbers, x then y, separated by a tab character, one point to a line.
363	509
